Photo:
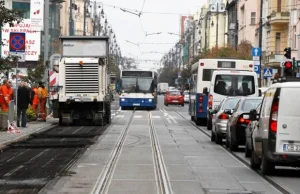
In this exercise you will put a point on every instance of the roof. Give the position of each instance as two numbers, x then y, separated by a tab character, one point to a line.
234	71
251	98
286	85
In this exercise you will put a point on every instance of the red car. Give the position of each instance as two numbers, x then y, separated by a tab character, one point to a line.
174	97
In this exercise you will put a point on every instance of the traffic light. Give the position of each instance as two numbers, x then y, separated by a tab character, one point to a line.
287	52
288	68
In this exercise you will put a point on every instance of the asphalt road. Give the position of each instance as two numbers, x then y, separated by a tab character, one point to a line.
162	151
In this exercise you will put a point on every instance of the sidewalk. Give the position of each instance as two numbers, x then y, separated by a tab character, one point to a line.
32	127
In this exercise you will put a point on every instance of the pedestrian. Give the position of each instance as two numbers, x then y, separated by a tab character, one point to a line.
34	99
23	101
2	101
7	93
42	95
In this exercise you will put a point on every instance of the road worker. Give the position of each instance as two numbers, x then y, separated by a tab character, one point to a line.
34	99
2	101
42	95
7	92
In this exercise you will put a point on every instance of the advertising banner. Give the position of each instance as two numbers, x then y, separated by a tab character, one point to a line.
33	39
37	14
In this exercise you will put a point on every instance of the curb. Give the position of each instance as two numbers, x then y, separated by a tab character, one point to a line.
25	136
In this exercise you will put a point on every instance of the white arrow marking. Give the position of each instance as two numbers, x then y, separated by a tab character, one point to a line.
256	51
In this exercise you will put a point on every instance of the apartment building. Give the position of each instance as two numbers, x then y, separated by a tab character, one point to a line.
294	28
276	24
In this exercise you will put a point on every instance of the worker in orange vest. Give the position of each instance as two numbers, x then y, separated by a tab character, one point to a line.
42	95
2	101
34	99
7	93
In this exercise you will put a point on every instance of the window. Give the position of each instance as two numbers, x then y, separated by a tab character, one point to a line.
277	43
253	18
251	104
207	73
295	38
234	85
23	7
230	103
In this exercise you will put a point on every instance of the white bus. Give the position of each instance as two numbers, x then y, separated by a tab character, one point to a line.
200	82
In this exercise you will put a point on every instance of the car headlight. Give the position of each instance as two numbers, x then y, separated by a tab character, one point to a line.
122	99
150	100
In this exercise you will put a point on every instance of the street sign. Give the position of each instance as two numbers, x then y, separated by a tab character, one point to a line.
256	51
268	72
257	69
298	75
17	42
255	58
21	56
298	63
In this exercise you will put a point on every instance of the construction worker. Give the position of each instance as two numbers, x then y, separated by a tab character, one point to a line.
42	95
34	99
2	101
7	95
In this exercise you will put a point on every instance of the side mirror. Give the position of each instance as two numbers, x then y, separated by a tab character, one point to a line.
253	115
228	111
205	90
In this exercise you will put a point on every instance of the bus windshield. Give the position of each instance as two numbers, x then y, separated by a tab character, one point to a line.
136	85
234	85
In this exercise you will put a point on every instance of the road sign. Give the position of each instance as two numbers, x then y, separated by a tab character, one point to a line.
21	56
257	69
256	52
298	63
17	42
268	72
255	58
298	75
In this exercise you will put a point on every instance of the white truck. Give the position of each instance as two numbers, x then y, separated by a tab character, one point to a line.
162	88
83	95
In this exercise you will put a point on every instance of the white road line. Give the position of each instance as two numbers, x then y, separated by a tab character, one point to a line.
120	116
156	117
173	119
169	121
138	116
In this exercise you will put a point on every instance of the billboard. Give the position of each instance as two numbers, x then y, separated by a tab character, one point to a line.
33	39
37	14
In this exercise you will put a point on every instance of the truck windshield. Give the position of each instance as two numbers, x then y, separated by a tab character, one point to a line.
234	85
136	85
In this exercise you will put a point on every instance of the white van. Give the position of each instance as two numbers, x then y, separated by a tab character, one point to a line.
226	83
276	139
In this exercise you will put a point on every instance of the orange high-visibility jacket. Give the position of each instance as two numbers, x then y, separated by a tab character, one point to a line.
1	95
7	92
35	99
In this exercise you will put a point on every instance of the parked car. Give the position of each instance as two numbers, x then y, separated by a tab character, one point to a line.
249	130
276	140
174	97
220	117
186	96
236	125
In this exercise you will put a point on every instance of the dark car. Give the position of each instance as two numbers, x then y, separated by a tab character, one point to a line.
252	125
236	125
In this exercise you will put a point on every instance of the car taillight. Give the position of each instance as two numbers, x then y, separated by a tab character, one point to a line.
201	104
210	101
242	120
274	116
223	116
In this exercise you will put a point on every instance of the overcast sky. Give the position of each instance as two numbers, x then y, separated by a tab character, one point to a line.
132	28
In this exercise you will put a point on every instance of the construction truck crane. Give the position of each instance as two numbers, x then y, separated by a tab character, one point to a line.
82	95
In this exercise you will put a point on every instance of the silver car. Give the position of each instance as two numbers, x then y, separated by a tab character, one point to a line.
220	117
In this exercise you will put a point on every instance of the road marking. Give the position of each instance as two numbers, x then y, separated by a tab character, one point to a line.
138	116
120	116
169	121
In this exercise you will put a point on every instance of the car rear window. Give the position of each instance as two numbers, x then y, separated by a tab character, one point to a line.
250	104
289	102
174	93
230	103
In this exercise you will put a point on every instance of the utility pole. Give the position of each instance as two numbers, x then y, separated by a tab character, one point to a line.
84	17
46	39
217	27
260	40
71	19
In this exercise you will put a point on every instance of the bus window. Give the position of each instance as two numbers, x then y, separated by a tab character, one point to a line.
207	73
234	85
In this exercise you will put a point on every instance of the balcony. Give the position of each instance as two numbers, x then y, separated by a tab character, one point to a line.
279	18
276	57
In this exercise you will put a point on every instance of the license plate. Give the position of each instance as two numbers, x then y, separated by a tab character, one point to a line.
291	148
175	100
136	104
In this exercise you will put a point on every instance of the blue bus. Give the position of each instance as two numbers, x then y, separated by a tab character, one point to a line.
138	89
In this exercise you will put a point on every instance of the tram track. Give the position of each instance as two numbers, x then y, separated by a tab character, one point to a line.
162	180
269	179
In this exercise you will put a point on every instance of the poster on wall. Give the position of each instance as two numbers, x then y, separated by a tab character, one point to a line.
37	14
33	39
